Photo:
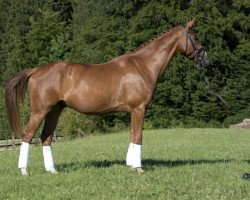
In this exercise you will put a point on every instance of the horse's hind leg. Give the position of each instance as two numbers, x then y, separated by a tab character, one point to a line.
34	122
51	120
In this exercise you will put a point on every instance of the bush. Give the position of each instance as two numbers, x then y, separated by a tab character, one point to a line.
237	118
72	124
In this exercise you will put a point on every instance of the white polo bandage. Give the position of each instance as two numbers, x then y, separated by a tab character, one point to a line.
24	155
129	158
134	155
48	158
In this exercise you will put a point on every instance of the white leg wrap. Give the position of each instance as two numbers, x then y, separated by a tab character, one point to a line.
129	158
48	158
134	155
24	155
137	156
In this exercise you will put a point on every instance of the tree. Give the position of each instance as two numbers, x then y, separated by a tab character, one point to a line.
38	32
45	36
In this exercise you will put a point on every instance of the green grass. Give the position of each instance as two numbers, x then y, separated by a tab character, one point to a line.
179	164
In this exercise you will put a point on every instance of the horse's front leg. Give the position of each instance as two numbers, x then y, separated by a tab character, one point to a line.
133	158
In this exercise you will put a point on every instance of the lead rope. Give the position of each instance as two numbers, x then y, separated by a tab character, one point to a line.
207	86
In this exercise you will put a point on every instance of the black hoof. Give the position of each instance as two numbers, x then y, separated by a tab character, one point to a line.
246	176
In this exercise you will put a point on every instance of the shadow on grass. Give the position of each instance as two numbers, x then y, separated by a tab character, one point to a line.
148	164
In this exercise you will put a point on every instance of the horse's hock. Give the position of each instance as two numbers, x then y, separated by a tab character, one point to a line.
244	124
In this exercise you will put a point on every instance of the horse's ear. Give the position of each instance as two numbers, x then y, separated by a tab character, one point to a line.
190	24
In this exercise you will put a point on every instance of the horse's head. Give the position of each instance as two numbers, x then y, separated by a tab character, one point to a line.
191	47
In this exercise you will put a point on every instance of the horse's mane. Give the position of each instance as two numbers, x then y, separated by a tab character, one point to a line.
150	41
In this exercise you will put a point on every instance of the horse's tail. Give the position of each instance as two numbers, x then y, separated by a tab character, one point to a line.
14	93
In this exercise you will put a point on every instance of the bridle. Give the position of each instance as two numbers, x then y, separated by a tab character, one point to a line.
199	53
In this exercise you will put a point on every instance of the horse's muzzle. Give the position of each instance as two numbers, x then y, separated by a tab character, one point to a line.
202	58
203	62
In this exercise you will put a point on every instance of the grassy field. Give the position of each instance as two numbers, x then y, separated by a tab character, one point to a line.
179	164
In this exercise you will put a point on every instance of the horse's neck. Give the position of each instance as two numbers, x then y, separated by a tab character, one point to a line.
157	55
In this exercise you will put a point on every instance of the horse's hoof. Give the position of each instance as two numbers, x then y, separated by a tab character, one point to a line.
24	172
246	176
138	170
53	171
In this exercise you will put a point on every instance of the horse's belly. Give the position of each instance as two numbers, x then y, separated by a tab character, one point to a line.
91	102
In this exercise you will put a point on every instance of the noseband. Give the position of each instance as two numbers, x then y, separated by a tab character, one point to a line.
199	53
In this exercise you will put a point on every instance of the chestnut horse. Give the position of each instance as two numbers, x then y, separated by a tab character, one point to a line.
125	84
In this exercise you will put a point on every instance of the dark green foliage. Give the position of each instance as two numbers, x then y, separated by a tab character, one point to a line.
38	32
45	38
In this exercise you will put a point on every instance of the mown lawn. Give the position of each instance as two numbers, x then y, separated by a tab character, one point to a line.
179	164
